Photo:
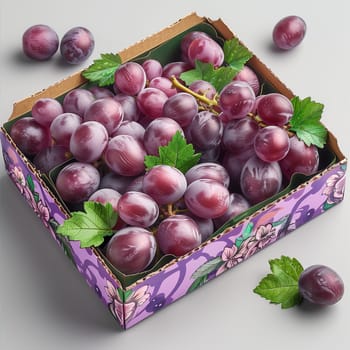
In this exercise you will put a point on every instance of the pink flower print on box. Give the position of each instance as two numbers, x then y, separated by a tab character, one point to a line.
124	311
335	189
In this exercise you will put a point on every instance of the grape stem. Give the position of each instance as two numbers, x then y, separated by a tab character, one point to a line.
199	97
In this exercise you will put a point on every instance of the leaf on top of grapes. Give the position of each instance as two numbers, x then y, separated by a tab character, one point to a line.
282	285
305	121
236	55
102	70
91	225
218	77
177	153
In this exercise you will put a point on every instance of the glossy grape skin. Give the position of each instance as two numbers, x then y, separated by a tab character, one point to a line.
208	170
100	92
175	69
249	76
131	249
106	111
165	184
205	50
40	42
203	88
150	101
136	184
30	136
188	38
138	209
130	78
271	143
275	109
125	155
77	181
206	130
181	107
237	99
238	204
207	198
177	235
234	163
152	68
239	135
260	180
106	195
116	182
129	105
163	84
299	159
289	32
159	132
45	110
77	45
321	285
77	101
63	126
132	128
88	141
50	157
205	226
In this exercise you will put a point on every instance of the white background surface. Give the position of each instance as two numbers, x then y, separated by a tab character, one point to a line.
44	302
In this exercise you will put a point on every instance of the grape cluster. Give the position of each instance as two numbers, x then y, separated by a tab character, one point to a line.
247	152
40	42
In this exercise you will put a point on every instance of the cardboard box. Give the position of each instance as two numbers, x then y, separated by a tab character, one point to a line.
131	300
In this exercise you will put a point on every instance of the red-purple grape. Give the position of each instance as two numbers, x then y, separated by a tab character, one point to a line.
106	111
300	159
181	107
165	184
152	68
77	181
260	180
159	132
77	45
63	126
138	209
130	78
125	155
271	143
150	101
208	170
237	99
177	235
207	198
40	42
131	249
275	109
77	101
321	285
249	76
45	110
30	136
88	141
289	32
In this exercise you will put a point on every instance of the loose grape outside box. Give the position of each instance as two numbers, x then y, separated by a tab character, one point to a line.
132	298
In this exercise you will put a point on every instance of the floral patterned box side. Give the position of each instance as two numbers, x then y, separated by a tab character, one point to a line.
131	303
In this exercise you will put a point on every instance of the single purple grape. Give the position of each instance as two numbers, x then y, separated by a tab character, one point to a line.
289	32
77	45
40	42
320	284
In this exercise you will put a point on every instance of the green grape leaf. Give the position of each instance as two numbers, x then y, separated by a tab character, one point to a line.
176	153
236	55
281	286
102	70
218	77
306	123
91	225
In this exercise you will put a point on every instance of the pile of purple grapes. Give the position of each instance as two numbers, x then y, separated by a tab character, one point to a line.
247	152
